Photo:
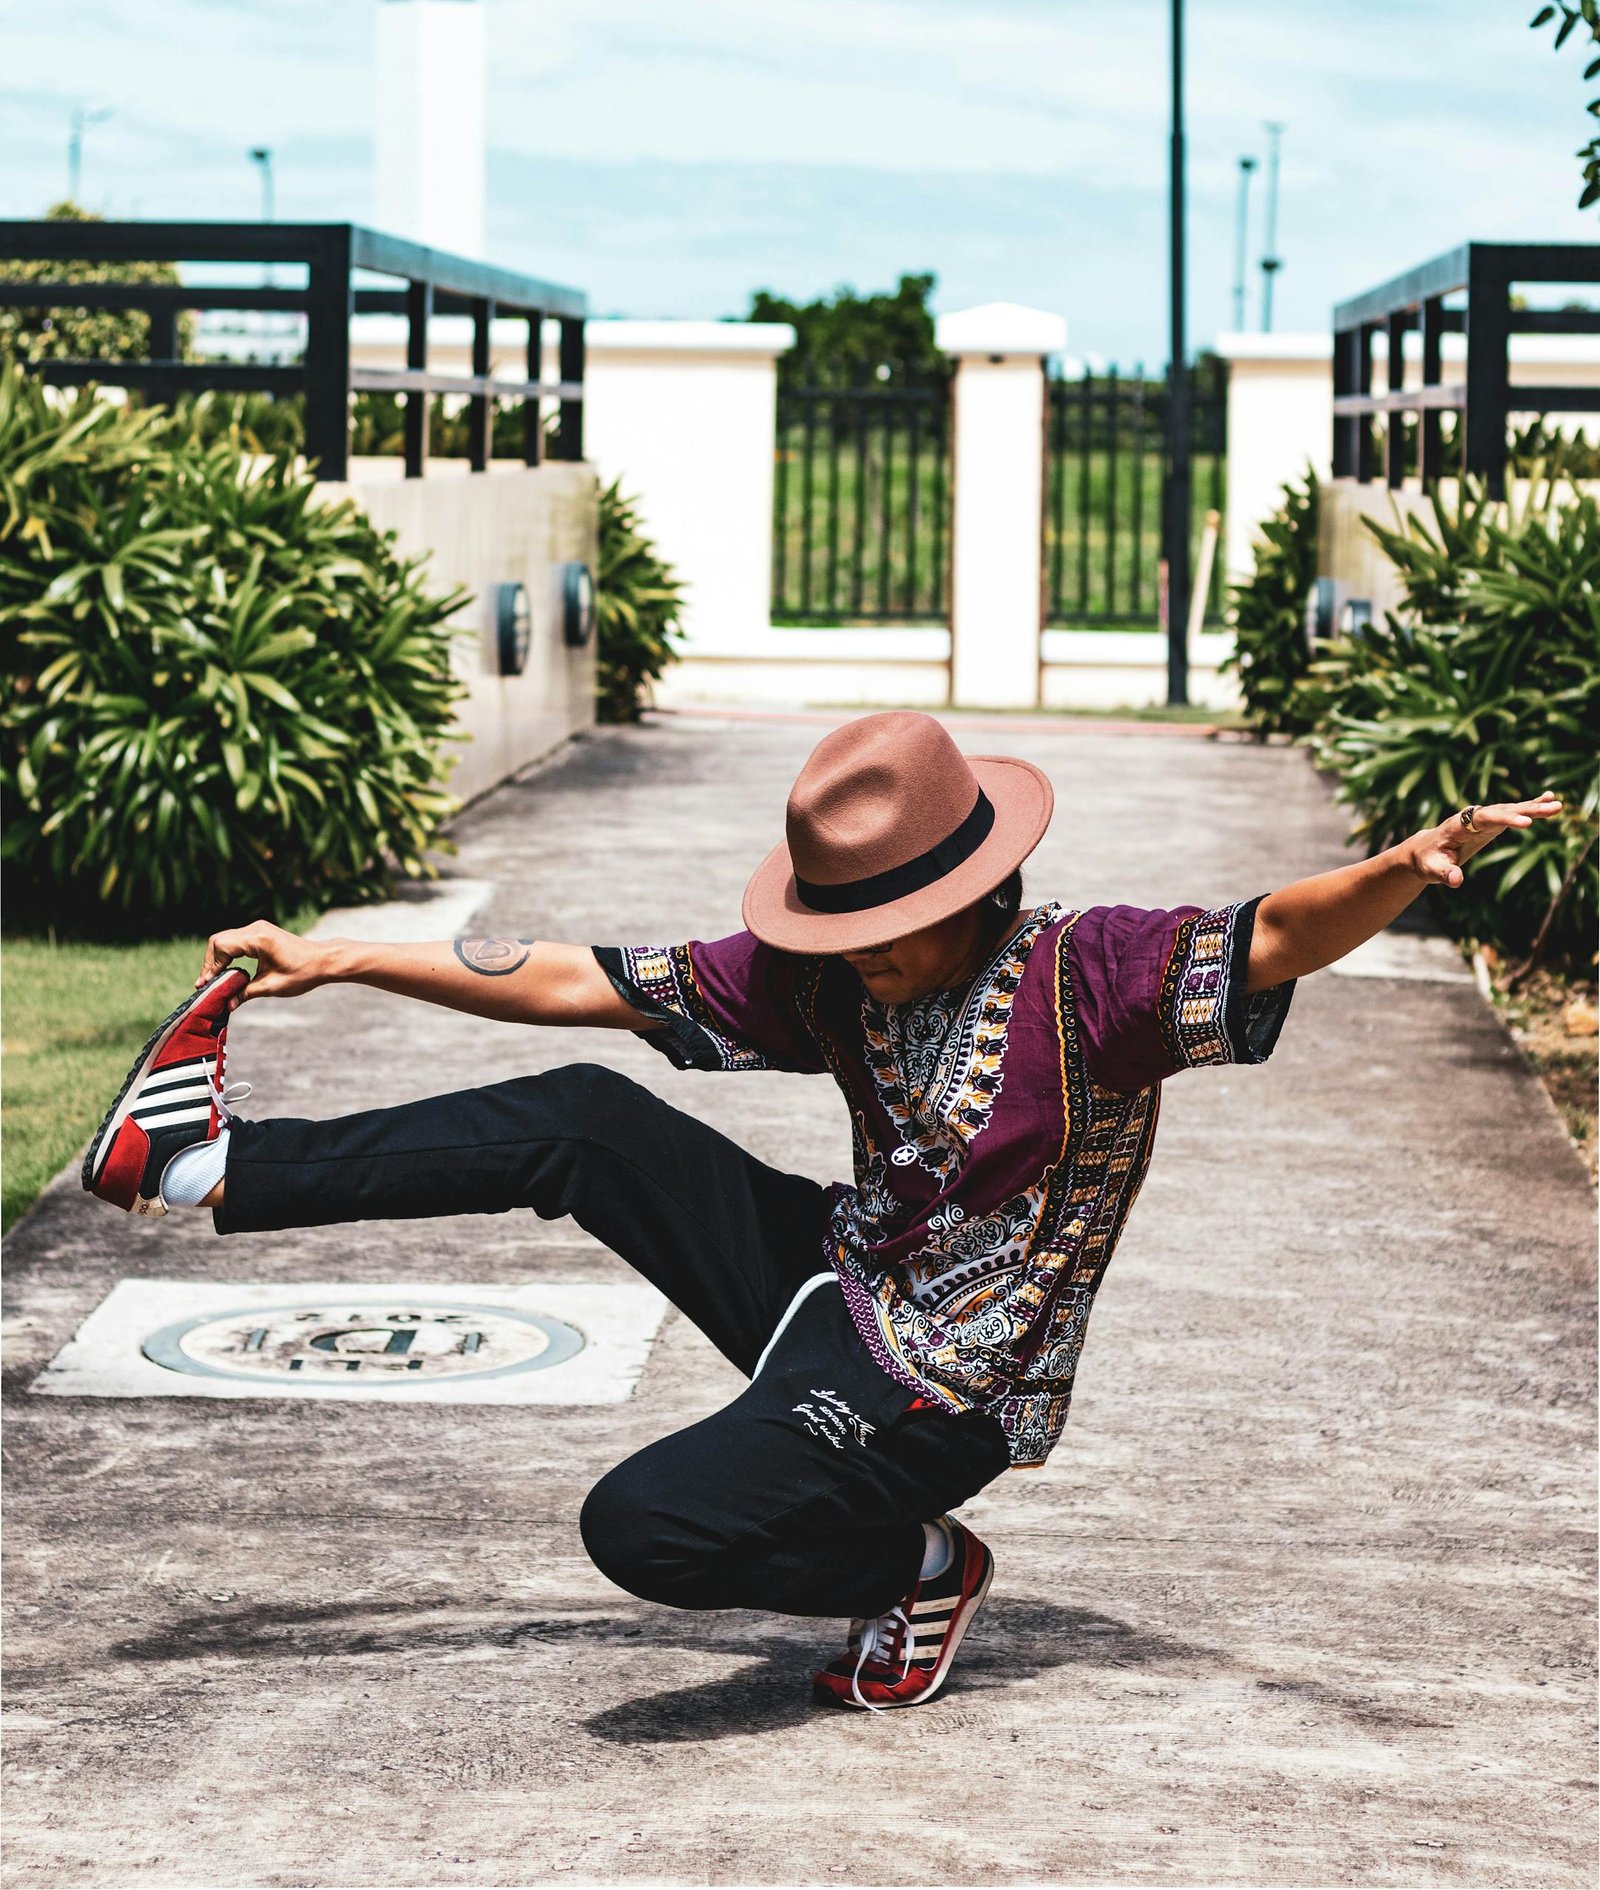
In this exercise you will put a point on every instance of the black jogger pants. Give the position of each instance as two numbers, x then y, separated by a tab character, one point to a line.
803	1496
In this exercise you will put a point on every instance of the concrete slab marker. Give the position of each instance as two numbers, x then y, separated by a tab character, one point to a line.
558	1342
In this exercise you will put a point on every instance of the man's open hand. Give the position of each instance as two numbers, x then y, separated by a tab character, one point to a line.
286	965
1437	855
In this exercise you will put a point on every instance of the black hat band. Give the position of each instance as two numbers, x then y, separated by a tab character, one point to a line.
882	889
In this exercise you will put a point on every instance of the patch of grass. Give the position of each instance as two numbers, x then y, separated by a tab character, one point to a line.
74	1016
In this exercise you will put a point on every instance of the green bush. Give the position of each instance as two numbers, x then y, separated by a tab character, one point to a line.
95	334
221	697
1484	687
1271	652
639	602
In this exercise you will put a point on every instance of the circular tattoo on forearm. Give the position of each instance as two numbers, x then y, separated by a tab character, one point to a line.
493	957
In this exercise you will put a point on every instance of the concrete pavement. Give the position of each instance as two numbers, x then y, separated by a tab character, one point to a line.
1305	1596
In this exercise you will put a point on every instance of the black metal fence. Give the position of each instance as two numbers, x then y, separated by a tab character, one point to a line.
861	505
1436	427
1102	526
331	255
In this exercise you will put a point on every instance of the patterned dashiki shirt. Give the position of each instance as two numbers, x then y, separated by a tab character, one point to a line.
1001	1130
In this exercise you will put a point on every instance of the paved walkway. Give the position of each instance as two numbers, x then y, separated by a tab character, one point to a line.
1303	1598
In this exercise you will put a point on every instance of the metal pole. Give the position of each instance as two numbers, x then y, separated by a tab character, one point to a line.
1175	510
1241	240
82	117
1271	261
262	157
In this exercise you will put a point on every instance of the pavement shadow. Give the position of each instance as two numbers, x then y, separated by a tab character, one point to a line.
1018	1639
1034	1634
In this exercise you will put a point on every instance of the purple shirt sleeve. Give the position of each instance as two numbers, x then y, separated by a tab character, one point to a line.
731	1004
1159	992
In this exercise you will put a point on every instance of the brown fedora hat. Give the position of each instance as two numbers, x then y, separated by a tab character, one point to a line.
891	828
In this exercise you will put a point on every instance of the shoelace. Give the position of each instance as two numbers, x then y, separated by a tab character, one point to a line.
877	1640
221	1098
233	1092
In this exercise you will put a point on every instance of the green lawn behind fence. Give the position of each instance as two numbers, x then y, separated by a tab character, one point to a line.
858	551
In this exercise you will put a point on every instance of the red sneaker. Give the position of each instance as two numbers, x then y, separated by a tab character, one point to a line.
173	1098
903	1657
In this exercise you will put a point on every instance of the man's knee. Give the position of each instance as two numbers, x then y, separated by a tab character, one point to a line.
589	1101
635	1543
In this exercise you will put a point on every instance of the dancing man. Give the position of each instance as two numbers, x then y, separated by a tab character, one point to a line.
906	1338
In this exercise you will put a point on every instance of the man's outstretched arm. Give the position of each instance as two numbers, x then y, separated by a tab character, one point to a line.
516	980
1315	921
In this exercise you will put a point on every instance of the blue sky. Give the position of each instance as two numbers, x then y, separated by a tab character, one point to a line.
671	155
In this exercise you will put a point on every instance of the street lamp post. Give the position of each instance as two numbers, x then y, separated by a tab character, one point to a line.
1271	261
1241	241
261	157
82	117
1176	494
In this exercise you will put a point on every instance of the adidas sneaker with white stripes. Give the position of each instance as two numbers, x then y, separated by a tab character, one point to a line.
175	1097
903	1658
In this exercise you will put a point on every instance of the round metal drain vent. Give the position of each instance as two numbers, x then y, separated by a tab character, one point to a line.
393	1341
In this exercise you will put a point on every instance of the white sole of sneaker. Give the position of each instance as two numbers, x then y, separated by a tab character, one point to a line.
117	1114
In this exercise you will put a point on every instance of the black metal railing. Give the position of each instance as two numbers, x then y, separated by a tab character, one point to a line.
861	504
1102	508
1477	409
429	282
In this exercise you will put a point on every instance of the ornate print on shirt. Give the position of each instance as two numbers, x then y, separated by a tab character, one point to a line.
937	1061
663	976
983	1212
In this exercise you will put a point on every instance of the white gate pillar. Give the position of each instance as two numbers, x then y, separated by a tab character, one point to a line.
684	414
997	472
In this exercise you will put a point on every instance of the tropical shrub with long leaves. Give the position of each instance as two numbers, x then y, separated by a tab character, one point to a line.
639	603
221	696
1484	686
1271	652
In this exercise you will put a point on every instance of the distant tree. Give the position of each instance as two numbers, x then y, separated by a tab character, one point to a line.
1585	13
95	334
850	340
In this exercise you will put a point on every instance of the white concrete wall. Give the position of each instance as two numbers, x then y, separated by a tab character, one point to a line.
1280	411
513	525
1348	552
685	415
1280	420
888	668
1127	669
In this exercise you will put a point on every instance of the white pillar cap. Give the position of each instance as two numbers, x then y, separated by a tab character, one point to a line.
1238	345
1001	328
688	337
